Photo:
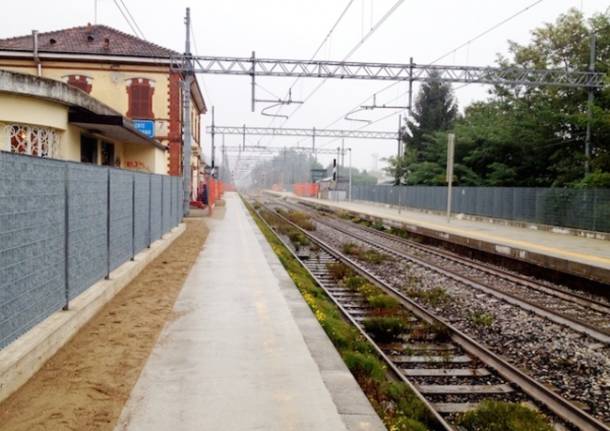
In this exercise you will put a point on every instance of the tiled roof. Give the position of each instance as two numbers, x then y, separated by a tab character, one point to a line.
90	39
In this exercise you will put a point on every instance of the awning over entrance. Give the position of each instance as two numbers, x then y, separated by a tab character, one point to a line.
114	127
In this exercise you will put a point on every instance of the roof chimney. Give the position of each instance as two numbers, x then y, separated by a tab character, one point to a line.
35	51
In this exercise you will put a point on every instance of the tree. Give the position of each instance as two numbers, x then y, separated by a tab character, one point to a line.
522	136
561	114
435	110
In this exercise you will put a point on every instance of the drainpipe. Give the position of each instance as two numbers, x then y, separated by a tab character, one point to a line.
36	58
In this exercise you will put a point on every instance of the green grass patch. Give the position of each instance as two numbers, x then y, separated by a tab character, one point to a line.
481	318
398	407
338	271
370	255
383	302
354	282
378	225
436	296
298	239
385	329
503	416
301	219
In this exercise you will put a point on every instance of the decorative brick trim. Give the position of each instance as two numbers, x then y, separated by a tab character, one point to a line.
175	132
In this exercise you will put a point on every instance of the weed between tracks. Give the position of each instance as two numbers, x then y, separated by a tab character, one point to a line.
395	403
370	256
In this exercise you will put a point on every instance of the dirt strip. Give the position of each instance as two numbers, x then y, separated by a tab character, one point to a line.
85	385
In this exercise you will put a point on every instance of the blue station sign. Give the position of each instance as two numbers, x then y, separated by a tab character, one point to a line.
146	127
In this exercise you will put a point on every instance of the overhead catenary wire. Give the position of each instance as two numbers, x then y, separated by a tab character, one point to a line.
443	56
372	31
318	49
196	49
133	25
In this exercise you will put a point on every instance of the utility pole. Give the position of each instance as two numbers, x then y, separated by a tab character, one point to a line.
313	144
350	174
342	156
399	161
590	109
398	151
284	171
338	174
187	133
213	150
450	158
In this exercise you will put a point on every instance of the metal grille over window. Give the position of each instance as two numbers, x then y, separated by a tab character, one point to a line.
31	140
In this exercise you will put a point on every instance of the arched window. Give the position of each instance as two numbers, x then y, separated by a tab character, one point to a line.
80	81
140	92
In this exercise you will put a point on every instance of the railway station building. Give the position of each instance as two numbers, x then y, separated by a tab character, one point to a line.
132	77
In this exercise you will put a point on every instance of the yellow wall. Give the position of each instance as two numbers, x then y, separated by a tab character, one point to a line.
145	160
35	112
109	82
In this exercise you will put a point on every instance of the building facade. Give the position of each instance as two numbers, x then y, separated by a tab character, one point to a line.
43	117
136	78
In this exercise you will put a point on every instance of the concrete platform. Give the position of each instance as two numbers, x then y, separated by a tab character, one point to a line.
553	249
244	351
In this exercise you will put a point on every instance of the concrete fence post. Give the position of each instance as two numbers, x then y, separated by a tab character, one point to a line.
149	210
133	217
108	208
67	236
162	207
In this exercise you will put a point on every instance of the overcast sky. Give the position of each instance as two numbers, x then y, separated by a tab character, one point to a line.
420	29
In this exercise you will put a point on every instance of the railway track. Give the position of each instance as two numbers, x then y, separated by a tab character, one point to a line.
577	312
449	370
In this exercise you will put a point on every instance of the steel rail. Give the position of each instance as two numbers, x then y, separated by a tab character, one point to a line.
554	402
395	371
577	325
498	272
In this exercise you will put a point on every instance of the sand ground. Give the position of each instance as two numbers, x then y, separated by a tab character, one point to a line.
86	384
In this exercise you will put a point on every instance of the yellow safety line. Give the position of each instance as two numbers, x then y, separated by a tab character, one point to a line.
470	234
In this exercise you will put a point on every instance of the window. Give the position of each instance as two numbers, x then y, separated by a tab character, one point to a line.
88	149
32	140
81	82
140	92
107	154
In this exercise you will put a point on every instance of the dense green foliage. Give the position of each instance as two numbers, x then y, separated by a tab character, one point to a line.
519	136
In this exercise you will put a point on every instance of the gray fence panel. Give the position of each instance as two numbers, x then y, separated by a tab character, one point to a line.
142	211
166	204
34	214
587	209
156	228
180	201
121	217
32	228
87	221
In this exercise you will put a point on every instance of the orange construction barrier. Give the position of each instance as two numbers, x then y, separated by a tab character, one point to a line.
308	190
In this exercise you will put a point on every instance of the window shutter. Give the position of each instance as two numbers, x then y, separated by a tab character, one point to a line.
140	94
79	81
